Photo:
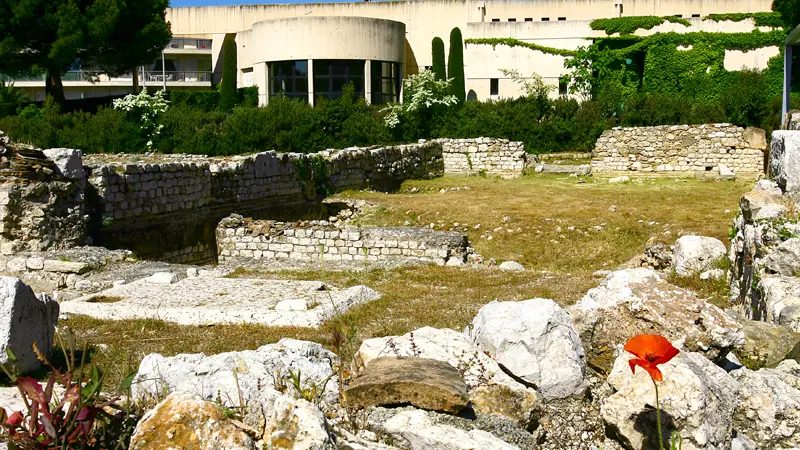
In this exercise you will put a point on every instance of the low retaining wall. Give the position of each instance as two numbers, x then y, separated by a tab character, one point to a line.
492	156
239	238
681	148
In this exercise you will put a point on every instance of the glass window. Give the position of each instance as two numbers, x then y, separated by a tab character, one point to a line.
494	86
511	19
495	20
529	19
386	81
332	75
204	65
289	78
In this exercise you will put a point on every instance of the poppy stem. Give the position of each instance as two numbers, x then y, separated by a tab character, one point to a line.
658	418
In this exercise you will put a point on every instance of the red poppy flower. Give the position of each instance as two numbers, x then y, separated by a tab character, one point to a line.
650	351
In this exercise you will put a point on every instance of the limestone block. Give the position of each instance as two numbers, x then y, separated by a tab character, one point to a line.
25	319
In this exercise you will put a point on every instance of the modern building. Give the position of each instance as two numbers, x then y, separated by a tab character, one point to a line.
792	41
314	49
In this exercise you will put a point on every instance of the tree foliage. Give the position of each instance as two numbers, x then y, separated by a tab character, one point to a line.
228	95
437	46
790	10
455	66
48	36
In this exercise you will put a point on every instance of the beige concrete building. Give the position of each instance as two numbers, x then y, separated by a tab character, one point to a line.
311	50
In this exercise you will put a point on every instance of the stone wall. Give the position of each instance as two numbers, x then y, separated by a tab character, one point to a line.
239	238
717	148
167	208
492	156
41	205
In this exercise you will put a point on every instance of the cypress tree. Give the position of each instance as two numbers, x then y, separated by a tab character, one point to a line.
438	59
228	95
455	66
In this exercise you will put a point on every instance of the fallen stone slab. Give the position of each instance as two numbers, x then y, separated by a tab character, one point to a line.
239	377
26	320
68	161
207	301
423	382
54	265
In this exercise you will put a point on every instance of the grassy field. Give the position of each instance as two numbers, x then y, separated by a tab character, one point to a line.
561	229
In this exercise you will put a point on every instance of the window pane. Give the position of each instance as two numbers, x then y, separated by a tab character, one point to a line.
338	84
301	84
357	68
321	85
358	84
338	68
301	68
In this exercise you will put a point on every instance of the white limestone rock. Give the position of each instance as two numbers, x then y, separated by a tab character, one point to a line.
726	172
212	376
534	340
768	411
282	421
622	179
68	161
25	319
694	254
511	266
163	278
697	399
784	160
187	421
490	389
455	262
420	433
779	302
636	301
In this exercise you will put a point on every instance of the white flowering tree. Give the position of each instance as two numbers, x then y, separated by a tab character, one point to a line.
147	107
422	92
533	86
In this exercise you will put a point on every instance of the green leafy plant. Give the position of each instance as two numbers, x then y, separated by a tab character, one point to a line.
147	108
11	99
228	96
511	42
69	410
630	24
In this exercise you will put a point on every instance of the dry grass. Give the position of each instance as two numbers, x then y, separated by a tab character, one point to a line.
540	211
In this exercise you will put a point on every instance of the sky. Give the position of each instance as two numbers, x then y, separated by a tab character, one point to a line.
178	3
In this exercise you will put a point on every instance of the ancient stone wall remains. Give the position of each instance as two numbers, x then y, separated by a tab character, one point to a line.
239	238
492	156
168	207
681	148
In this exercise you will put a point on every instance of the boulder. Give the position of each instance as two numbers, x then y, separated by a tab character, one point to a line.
697	400
762	204
784	160
638	301
725	171
778	301
423	382
535	341
187	421
25	319
163	278
695	254
784	259
418	432
765	344
282	421
768	411
511	266
68	161
490	389
226	376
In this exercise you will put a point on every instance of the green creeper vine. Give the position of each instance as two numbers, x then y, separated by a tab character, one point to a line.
629	25
761	19
314	169
510	42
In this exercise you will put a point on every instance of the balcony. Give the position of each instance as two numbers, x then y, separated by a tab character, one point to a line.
77	78
184	45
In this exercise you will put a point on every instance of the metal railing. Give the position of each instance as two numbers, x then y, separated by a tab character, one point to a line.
81	75
189	44
183	76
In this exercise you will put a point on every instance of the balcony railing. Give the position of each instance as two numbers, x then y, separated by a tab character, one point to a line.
183	76
91	76
189	44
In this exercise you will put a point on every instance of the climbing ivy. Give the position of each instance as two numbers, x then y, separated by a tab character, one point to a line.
761	19
313	169
629	25
510	42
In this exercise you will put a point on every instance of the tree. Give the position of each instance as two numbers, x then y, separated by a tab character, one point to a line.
422	93
790	10
455	66
438	58
140	36
48	36
227	91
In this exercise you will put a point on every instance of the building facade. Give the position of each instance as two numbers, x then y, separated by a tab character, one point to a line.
312	50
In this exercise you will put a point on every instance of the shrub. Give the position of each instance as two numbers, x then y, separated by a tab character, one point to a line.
437	50
205	100
455	66
228	96
746	99
248	96
190	130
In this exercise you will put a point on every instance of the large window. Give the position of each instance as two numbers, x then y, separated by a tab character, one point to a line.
331	75
289	78
385	82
